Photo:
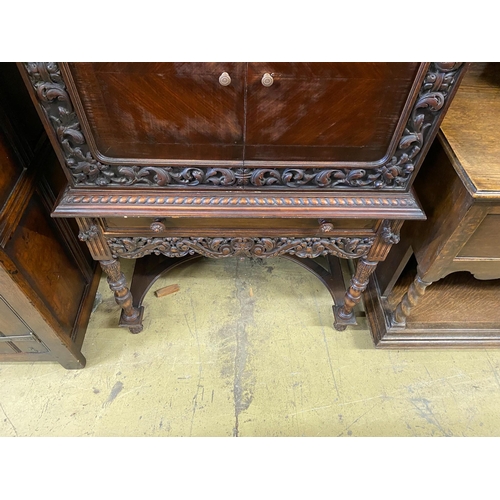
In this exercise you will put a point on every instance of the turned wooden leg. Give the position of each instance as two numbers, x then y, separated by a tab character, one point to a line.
344	314
410	299
131	316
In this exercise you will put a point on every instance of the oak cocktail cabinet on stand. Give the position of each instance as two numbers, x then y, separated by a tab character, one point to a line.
299	160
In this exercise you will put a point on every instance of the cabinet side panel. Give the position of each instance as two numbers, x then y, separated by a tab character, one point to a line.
39	254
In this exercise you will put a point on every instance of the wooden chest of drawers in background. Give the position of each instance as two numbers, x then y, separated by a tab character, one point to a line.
452	299
47	277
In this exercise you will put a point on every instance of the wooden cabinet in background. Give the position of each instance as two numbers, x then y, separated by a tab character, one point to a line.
452	298
47	277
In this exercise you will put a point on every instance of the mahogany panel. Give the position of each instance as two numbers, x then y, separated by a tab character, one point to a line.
163	110
290	119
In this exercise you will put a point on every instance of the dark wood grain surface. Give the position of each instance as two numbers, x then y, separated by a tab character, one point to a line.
327	112
164	110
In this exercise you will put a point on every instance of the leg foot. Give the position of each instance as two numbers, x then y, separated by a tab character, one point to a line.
131	316
134	326
340	324
339	328
344	314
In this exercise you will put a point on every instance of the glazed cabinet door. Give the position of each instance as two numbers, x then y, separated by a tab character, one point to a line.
151	112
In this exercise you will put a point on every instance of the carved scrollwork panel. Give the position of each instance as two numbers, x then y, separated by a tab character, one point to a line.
137	247
394	174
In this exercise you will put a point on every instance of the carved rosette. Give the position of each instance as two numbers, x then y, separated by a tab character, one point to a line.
52	94
217	248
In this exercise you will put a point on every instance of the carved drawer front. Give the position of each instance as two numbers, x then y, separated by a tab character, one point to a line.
130	226
15	334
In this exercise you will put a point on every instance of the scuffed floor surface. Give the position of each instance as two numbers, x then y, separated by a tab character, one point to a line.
247	348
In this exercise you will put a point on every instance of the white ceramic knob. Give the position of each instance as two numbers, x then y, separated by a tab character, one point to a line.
224	79
267	80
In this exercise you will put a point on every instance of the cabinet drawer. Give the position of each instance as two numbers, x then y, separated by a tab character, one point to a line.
483	243
236	227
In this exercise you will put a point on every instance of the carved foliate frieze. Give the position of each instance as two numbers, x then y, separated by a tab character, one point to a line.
248	247
395	173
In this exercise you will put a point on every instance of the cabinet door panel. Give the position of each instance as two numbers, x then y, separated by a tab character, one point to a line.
158	111
325	111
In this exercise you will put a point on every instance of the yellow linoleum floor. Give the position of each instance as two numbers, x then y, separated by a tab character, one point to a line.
247	348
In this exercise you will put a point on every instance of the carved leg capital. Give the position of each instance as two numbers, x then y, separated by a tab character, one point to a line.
131	317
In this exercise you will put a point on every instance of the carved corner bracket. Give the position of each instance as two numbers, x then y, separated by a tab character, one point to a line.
217	248
89	234
388	235
395	174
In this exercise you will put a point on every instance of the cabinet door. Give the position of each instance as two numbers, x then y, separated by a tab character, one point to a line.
161	111
342	112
